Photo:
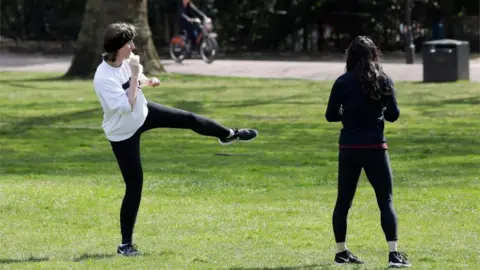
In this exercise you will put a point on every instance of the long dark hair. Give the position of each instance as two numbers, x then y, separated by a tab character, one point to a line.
363	59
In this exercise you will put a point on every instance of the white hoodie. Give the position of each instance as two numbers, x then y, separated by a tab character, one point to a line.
120	122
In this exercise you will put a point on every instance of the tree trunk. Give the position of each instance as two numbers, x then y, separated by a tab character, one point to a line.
98	15
87	48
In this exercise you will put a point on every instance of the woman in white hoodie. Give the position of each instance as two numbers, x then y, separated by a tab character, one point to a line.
127	114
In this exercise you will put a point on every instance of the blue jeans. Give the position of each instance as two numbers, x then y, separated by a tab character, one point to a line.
192	34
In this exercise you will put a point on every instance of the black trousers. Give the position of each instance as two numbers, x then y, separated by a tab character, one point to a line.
127	153
192	32
376	164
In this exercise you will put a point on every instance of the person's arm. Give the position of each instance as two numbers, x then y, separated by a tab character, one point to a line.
144	80
197	10
115	98
132	91
186	17
333	112
183	13
134	64
392	111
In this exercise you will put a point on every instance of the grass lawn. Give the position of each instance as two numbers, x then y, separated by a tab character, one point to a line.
266	204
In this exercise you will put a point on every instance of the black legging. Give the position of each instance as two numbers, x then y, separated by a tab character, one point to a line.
127	153
376	164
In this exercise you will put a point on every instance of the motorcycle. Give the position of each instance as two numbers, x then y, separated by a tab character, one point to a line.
180	45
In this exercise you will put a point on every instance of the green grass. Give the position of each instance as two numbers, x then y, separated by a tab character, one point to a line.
261	205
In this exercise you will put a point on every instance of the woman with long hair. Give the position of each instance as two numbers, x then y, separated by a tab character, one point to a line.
362	99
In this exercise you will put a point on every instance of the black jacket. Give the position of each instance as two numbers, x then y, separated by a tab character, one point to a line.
363	118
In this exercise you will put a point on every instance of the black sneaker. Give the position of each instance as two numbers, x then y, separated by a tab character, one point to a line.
243	135
128	250
398	260
347	257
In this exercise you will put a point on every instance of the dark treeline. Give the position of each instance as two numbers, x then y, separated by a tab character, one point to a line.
261	25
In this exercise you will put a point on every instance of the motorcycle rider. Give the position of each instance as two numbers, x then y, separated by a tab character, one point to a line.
187	19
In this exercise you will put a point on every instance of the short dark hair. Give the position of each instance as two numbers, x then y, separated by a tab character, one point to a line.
116	36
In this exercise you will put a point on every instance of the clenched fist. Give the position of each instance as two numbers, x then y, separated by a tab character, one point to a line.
134	63
154	82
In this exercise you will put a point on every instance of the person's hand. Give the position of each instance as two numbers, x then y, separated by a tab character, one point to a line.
154	82
134	63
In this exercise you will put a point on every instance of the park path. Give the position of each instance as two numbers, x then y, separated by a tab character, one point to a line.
310	70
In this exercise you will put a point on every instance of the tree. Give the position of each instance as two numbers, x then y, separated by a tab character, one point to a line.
99	14
88	45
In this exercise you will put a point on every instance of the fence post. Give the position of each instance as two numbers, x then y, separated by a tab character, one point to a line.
409	46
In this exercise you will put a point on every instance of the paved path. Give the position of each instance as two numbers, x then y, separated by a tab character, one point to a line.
311	70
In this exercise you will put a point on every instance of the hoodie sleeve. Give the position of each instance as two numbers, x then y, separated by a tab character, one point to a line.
392	111
113	95
332	113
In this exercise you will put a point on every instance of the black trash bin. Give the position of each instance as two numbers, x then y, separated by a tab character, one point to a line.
446	60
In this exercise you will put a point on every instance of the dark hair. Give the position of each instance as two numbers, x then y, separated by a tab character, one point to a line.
115	37
363	58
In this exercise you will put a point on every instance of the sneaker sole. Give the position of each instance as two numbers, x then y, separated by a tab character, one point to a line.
348	263
237	140
131	255
399	265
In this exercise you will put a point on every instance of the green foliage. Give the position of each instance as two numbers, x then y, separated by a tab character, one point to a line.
246	24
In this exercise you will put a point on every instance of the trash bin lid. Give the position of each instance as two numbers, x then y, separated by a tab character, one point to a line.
445	43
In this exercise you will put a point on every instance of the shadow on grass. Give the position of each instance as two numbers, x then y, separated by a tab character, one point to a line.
302	267
173	97
440	83
309	266
20	85
25	260
280	100
455	101
300	146
56	78
101	256
204	89
28	123
192	106
88	256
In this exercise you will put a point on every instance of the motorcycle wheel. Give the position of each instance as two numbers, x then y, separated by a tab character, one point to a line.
208	50
177	52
